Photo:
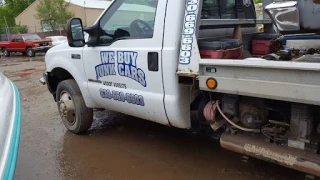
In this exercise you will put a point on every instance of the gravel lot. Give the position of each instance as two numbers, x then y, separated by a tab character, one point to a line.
117	146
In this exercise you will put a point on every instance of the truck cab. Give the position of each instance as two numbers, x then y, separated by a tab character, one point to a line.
158	59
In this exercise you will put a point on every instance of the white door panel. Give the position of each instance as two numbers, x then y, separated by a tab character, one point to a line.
118	73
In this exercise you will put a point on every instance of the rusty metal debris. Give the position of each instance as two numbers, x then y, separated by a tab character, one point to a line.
302	160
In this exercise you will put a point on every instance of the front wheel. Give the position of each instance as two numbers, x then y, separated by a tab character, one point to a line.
5	52
30	52
73	111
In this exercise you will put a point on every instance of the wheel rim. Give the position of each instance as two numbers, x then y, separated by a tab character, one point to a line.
5	52
29	52
67	108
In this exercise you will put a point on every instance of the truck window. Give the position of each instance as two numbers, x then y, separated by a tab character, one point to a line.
218	9
128	19
31	37
228	9
18	39
13	39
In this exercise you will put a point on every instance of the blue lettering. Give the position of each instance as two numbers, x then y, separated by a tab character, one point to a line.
120	57
142	79
105	70
121	97
107	57
126	65
127	57
134	73
133	57
121	69
111	57
104	57
127	71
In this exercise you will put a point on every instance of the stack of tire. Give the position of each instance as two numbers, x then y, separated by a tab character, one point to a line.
221	48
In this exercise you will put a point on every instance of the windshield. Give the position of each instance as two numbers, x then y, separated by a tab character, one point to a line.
31	37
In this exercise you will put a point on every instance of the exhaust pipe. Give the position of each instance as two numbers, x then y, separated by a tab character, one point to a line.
301	160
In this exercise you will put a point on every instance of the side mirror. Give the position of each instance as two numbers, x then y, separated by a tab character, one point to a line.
75	33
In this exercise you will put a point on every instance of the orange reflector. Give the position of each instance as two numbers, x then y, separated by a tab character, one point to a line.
212	83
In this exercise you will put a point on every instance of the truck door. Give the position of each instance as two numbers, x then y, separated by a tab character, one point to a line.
124	71
19	44
11	46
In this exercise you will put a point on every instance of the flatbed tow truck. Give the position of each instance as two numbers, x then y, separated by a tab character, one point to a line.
170	56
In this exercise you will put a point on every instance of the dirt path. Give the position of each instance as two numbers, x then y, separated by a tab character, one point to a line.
117	146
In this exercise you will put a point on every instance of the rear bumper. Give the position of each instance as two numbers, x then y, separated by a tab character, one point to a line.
42	49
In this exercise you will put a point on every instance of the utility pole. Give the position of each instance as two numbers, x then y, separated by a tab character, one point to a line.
85	13
7	27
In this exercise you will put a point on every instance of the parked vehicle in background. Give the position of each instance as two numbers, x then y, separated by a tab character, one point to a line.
27	44
56	40
10	120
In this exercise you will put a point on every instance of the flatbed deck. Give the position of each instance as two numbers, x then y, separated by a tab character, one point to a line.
279	80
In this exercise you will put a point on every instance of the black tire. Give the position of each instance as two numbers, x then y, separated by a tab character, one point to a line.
5	52
83	116
30	52
219	44
207	44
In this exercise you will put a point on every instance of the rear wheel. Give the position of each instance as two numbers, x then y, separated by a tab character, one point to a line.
73	111
30	52
5	52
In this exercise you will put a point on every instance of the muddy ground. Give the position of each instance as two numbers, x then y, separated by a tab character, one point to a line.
117	146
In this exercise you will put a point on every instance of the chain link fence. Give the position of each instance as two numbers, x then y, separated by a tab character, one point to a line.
42	31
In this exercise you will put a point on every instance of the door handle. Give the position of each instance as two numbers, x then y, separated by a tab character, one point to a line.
153	61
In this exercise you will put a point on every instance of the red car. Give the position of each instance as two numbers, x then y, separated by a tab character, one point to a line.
27	44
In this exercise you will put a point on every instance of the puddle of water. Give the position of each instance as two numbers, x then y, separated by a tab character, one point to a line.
123	147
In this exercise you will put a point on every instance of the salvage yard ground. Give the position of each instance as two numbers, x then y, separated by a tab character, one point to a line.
117	146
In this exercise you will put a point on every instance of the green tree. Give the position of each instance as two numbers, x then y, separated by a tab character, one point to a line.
17	6
18	29
10	9
53	13
6	13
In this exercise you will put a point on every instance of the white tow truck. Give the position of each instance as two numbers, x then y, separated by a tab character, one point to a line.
159	60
